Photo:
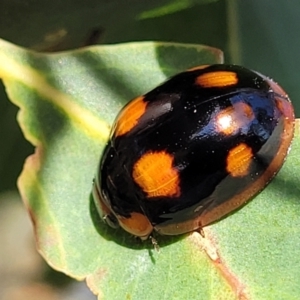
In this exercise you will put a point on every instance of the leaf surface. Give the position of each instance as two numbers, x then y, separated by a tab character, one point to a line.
68	102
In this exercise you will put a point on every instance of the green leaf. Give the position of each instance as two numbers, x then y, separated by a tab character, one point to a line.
67	102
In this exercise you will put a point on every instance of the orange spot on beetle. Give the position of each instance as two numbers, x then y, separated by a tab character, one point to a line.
155	174
217	79
229	120
239	160
130	115
137	224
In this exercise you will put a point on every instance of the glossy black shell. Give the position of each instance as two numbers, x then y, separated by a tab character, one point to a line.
180	118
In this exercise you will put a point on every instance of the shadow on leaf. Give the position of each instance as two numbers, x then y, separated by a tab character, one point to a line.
125	239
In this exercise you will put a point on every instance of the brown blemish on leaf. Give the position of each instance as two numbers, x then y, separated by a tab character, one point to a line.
32	218
209	246
93	279
128	297
47	237
31	165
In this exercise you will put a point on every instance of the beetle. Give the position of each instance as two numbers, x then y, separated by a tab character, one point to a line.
193	150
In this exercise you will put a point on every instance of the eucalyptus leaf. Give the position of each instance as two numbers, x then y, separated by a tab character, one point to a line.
68	102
